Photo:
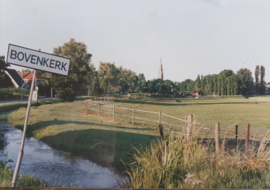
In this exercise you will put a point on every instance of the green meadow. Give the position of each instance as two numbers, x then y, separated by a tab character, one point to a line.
112	141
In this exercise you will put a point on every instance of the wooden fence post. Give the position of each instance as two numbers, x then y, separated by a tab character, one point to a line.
236	135
133	116
190	125
247	137
160	128
217	136
98	109
113	111
159	120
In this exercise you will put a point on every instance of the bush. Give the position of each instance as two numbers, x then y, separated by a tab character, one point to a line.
6	96
14	91
44	89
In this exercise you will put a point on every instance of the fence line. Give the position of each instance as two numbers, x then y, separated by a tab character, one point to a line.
123	115
93	109
173	117
106	112
148	111
171	124
145	119
190	125
203	123
123	108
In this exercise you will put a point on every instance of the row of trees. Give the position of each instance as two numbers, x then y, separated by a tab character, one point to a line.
83	78
226	83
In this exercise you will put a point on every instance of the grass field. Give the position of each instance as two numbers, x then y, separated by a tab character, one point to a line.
106	141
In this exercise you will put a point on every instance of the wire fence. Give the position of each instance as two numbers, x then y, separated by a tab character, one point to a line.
179	125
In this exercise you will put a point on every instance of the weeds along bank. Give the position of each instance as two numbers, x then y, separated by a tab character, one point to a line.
193	163
23	180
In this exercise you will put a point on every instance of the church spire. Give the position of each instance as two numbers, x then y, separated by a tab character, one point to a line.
160	72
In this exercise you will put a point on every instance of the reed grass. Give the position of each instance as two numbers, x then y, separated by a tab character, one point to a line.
193	163
24	180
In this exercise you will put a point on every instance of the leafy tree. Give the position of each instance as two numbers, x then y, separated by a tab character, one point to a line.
228	81
215	85
234	85
5	81
108	77
223	82
141	82
257	73
187	86
42	73
91	85
198	83
127	80
168	87
262	72
3	65
67	87
245	80
203	83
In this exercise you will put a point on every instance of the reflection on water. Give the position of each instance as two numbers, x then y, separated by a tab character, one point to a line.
54	166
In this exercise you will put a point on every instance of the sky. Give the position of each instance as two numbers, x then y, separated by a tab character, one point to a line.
190	36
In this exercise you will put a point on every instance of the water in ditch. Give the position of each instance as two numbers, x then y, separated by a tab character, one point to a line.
54	166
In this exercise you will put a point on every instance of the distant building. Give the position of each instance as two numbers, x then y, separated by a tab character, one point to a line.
267	89
16	79
195	94
28	77
160	71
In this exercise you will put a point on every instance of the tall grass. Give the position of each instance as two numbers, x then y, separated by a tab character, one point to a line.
25	180
192	163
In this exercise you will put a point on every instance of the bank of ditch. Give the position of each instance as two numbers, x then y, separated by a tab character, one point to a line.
66	126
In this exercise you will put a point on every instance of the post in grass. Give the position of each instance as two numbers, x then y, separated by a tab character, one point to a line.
247	138
190	126
217	137
236	135
133	116
159	119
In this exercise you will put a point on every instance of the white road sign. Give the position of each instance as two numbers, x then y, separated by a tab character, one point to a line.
34	59
34	97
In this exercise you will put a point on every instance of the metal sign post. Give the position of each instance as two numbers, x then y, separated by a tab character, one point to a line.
18	164
36	60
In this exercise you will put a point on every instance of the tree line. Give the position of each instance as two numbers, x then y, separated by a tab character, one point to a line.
227	83
84	78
